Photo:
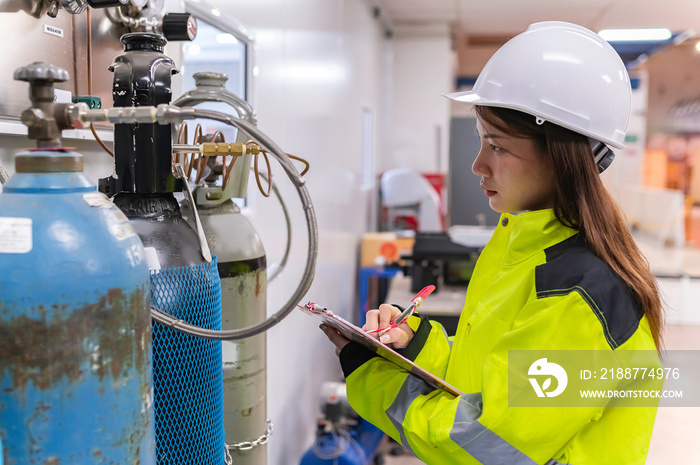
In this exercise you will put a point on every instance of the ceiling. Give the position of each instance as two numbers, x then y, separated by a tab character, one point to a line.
509	17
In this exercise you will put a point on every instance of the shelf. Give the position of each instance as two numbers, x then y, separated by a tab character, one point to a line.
15	128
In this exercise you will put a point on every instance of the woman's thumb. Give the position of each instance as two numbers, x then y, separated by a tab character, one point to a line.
396	336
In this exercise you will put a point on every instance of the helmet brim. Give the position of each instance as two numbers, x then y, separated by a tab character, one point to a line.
470	97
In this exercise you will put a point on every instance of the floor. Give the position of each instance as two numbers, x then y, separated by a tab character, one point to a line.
676	436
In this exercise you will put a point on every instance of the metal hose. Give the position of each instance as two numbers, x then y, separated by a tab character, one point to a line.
312	229
276	268
4	176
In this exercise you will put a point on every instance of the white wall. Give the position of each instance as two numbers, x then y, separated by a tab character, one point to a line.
423	62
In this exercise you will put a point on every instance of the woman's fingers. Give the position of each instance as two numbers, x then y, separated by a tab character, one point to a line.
372	320
386	314
396	336
380	319
338	340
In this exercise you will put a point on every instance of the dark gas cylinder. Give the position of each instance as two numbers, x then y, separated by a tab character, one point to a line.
187	371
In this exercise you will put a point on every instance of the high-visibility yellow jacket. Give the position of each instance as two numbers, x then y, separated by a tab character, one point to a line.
536	286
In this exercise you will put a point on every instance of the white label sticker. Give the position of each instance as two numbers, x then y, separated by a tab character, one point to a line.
62	96
152	258
15	235
119	224
121	230
97	199
53	30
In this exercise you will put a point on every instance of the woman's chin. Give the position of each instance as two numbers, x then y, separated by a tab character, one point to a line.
496	206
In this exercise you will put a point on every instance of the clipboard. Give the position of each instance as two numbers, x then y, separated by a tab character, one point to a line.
353	333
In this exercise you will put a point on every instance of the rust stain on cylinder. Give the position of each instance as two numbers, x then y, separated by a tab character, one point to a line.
258	283
108	337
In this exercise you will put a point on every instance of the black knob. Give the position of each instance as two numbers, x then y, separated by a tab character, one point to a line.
106	3
179	26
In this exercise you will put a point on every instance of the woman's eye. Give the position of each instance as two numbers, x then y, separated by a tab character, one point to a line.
494	148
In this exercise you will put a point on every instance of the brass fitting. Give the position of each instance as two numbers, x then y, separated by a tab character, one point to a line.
214	149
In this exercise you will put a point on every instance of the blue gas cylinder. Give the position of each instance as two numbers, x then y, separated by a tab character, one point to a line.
353	446
75	332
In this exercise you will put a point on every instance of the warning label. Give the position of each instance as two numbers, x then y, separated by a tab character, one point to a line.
15	235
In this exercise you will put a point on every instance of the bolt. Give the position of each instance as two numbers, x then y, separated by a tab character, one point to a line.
53	10
32	117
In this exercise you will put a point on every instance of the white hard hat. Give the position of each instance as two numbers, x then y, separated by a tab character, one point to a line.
561	73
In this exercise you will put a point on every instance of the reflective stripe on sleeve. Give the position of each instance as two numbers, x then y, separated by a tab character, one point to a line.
412	388
480	442
477	440
449	341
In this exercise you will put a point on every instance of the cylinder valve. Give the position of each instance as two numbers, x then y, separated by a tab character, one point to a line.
43	119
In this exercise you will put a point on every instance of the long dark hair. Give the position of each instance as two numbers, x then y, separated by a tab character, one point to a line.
583	203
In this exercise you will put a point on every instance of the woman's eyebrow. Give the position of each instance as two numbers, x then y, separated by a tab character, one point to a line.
493	136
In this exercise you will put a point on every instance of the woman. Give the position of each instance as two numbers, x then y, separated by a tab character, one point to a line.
561	272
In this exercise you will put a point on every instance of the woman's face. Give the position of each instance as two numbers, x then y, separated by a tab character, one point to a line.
513	173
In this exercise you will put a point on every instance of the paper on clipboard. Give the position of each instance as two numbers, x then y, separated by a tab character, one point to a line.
353	333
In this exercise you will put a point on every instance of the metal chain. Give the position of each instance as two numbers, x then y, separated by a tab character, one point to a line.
247	445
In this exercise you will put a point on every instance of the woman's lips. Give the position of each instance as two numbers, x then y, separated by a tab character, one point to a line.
489	193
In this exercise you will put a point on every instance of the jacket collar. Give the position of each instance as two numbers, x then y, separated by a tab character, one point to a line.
531	232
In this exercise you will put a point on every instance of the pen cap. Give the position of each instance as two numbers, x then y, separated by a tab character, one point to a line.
425	292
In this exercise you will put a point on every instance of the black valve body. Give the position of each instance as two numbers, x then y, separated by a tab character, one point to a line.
142	152
106	3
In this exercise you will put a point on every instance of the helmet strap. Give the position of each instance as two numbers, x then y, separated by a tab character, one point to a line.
602	154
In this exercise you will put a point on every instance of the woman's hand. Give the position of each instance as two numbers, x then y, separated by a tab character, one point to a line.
396	338
335	337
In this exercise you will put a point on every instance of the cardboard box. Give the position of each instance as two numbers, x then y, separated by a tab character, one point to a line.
384	247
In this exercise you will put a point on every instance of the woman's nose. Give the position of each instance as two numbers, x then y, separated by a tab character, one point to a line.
479	167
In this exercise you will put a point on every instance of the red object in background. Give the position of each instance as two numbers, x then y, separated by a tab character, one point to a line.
406	222
437	180
389	251
401	222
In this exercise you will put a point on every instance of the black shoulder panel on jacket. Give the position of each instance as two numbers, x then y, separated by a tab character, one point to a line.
573	267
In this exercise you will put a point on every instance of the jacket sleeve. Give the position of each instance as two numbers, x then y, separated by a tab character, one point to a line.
480	427
430	346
